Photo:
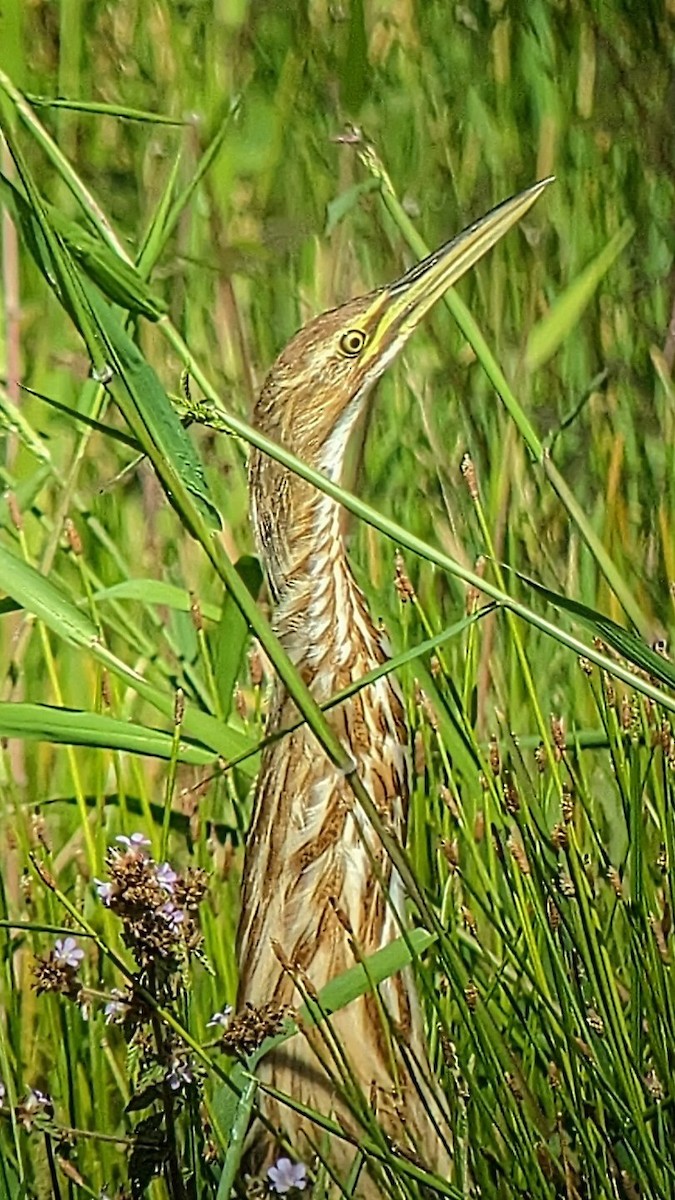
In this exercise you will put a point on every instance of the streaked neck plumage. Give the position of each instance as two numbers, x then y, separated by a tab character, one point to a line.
318	608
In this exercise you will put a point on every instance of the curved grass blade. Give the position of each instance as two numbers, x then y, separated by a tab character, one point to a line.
75	727
229	639
627	644
549	333
155	591
117	361
117	278
97	108
118	435
45	600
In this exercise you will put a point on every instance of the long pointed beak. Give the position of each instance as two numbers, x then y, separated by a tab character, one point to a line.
399	308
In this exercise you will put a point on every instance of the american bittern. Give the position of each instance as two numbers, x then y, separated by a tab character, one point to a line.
315	872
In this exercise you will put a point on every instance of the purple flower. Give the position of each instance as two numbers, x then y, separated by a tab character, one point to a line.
172	915
103	890
36	1101
221	1018
115	1011
166	876
67	953
137	842
285	1175
179	1075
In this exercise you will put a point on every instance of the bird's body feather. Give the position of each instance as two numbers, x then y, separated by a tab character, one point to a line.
311	852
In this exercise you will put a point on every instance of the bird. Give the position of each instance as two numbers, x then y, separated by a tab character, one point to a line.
319	891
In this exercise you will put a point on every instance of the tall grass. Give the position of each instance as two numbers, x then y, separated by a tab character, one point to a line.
184	186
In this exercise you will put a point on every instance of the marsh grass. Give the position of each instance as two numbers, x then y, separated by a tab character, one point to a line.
191	198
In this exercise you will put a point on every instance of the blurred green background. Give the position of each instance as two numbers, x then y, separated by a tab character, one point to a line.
465	104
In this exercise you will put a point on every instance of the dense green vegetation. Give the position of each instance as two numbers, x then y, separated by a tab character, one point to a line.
210	176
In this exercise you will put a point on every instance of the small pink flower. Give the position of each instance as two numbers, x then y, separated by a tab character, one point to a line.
137	841
67	953
286	1176
221	1018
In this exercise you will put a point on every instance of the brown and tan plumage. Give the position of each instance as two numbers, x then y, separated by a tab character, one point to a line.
309	850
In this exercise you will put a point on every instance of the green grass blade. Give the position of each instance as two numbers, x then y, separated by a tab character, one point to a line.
551	331
74	727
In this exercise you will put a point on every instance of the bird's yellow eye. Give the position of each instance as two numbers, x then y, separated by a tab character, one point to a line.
352	342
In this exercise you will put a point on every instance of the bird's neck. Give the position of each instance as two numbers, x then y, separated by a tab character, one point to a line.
318	607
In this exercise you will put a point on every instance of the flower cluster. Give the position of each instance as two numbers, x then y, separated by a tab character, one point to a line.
157	905
245	1032
57	971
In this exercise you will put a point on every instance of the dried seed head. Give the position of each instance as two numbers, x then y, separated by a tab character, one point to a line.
308	984
404	588
196	612
15	515
468	918
240	702
281	957
595	1022
51	974
419	753
553	1075
654	1085
428	709
255	666
450	802
514	1085
586	666
546	1162
519	856
469	475
341	915
614	880
435	666
662	860
473	594
511	797
541	758
471	996
72	537
659	937
450	850
559	837
567	805
38	828
179	706
558	735
249	1028
553	914
584	1048
494	756
448	1051
608	688
566	885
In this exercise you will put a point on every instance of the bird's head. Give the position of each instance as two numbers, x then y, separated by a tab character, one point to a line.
318	384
